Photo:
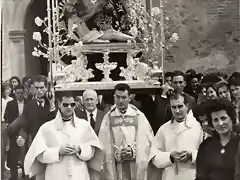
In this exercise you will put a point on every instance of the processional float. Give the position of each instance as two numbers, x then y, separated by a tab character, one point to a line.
148	32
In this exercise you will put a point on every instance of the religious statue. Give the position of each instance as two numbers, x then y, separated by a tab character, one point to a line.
102	21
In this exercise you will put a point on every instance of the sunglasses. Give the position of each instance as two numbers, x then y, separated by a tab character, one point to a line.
67	104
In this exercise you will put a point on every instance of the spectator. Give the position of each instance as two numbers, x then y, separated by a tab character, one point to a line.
235	90
37	111
217	154
194	88
178	84
200	113
223	91
5	90
211	91
14	81
202	96
13	110
168	78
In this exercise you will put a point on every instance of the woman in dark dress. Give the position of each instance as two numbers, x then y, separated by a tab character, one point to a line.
217	154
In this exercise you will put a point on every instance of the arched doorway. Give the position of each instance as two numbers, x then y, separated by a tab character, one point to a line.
34	65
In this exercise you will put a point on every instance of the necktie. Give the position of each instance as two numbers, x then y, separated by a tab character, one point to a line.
41	103
92	122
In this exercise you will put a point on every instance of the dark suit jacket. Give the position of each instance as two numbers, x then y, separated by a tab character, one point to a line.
99	118
32	118
11	112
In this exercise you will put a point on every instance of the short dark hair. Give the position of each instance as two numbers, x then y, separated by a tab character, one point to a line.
168	74
41	78
67	94
191	71
15	77
176	96
212	85
122	87
179	73
234	82
20	86
200	110
218	105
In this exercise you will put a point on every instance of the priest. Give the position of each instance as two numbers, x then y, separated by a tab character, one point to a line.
64	147
126	137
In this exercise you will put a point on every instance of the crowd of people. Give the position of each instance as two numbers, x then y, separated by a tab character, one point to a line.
188	131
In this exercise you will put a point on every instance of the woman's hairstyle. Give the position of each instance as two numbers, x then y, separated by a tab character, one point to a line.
212	85
220	85
5	85
200	110
219	105
14	77
234	81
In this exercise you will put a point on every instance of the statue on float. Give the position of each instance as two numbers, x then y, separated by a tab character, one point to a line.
101	21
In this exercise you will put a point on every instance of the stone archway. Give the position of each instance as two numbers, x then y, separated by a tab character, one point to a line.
15	63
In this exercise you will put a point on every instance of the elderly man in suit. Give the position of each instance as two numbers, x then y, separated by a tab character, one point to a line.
91	113
13	109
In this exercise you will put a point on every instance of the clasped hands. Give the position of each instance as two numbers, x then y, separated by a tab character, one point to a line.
182	156
69	149
122	154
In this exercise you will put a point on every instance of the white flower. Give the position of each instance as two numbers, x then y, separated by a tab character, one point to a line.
174	37
37	36
35	53
93	1
74	26
134	31
38	21
80	43
155	11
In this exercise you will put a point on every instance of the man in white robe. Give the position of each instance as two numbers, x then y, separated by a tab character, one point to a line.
126	136
176	143
63	147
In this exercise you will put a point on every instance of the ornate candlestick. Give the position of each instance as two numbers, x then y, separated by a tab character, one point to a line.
106	66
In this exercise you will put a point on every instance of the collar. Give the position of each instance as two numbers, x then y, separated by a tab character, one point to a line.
59	123
20	102
164	96
189	121
131	111
40	100
94	113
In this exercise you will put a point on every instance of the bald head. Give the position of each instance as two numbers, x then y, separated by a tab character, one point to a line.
90	100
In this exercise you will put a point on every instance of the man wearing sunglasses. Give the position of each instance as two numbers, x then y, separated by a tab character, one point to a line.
63	146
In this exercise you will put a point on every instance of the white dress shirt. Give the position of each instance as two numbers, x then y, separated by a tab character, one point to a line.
20	106
94	115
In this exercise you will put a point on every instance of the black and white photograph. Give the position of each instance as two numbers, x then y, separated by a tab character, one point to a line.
120	89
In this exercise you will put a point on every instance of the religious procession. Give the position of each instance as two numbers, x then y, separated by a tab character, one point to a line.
111	98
